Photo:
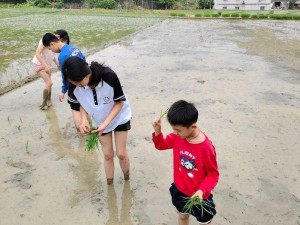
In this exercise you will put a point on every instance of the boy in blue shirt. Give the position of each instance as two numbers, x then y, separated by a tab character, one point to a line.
52	42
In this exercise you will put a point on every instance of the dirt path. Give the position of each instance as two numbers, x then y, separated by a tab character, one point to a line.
246	87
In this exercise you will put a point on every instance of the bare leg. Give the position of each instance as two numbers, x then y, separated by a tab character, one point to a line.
108	152
183	219
121	144
47	89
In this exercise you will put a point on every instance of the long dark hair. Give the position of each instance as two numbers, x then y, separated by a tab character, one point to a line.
63	35
76	69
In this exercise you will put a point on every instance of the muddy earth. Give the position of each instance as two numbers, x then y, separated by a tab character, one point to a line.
244	78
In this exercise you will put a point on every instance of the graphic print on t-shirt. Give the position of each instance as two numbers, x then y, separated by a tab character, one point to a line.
187	161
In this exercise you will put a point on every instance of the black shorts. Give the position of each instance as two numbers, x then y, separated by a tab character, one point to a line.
122	127
72	100
203	216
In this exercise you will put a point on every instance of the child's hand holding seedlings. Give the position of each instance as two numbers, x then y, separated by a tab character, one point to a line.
99	130
199	194
157	126
84	127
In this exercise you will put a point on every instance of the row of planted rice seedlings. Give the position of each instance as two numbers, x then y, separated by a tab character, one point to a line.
20	35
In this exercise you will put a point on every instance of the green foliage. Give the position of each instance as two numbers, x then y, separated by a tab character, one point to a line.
225	15
281	16
181	14
296	17
205	4
198	14
107	4
207	15
166	4
254	16
173	14
59	4
262	16
245	15
39	3
215	15
235	15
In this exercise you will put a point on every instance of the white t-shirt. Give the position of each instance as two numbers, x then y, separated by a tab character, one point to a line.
47	54
99	102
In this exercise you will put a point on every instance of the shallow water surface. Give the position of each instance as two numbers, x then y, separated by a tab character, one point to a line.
242	75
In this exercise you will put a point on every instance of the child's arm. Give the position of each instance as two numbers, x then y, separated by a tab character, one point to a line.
65	83
113	113
84	127
158	139
157	126
56	63
212	173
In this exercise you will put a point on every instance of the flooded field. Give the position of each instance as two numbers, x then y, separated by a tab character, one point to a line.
244	78
20	34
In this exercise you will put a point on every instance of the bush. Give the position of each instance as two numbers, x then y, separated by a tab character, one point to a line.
173	14
181	14
262	16
296	17
39	3
254	16
207	15
235	15
225	15
107	4
198	15
245	15
215	15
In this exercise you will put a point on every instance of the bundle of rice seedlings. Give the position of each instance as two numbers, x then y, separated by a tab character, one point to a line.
163	113
198	203
92	140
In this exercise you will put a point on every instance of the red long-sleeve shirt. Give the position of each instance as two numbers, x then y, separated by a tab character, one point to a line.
194	165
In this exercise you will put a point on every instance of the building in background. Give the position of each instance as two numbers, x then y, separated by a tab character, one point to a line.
251	4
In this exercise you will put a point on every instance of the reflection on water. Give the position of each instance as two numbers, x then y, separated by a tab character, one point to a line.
126	204
86	165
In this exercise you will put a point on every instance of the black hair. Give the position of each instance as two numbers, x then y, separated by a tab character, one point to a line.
182	113
64	36
48	38
76	69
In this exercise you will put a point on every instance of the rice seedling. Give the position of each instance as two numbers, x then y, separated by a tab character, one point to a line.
41	134
6	141
163	113
198	203
92	141
27	147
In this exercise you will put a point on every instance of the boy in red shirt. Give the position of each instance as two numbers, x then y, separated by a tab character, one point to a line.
195	168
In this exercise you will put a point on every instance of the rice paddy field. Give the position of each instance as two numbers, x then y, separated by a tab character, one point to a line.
21	29
90	29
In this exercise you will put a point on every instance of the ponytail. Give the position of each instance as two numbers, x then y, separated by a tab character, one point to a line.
97	70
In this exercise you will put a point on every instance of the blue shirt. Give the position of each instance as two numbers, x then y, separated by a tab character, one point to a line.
65	52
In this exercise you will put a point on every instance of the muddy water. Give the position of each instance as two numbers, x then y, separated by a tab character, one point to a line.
244	78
